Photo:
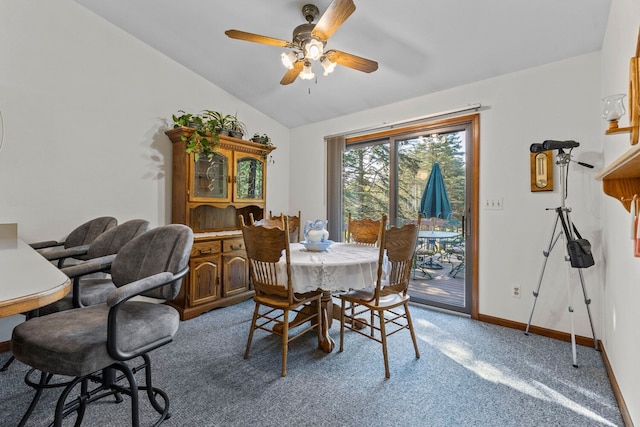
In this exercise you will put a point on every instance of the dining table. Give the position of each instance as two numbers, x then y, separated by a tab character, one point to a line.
341	267
27	280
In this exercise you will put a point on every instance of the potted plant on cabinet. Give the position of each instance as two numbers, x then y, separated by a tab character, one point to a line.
237	129
261	139
264	140
203	139
223	121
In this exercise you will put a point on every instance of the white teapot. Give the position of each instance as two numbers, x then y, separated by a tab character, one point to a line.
315	231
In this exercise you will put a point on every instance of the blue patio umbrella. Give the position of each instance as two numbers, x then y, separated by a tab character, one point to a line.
435	201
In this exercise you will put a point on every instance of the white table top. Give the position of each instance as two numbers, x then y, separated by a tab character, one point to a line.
431	234
27	280
342	266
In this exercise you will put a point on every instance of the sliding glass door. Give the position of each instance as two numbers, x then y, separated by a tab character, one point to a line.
439	274
366	180
388	175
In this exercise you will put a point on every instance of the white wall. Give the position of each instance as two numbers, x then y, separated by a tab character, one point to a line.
555	101
85	106
622	293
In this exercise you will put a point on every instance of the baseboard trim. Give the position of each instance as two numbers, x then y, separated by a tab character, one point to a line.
580	340
624	411
562	336
5	346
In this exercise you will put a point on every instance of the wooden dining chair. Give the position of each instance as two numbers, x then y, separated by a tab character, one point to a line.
363	231
388	302
294	226
274	289
266	222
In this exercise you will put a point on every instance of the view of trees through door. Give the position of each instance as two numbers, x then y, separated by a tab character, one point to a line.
388	176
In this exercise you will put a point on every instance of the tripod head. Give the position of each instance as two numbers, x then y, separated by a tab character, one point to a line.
563	159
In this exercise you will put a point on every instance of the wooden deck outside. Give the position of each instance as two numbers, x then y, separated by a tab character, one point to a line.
441	288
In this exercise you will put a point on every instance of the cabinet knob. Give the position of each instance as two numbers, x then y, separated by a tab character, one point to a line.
205	251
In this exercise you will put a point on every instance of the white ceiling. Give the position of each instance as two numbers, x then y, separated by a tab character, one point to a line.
422	46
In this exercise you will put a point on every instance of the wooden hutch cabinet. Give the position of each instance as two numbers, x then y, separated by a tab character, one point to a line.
208	196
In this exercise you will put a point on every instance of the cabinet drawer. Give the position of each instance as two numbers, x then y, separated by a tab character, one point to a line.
230	245
205	248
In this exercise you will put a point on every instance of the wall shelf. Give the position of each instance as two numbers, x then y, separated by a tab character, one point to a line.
621	178
618	130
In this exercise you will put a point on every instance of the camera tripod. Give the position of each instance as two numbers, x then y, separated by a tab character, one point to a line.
566	233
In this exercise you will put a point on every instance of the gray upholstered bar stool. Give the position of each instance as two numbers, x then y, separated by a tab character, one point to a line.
99	256
101	253
90	344
77	242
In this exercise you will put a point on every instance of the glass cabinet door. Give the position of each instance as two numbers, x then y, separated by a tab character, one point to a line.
249	177
210	177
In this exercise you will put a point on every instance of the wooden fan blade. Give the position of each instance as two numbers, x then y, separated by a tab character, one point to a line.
291	75
256	38
335	15
352	61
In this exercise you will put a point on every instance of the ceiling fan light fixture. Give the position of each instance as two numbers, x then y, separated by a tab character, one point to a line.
308	42
313	49
327	65
307	73
288	59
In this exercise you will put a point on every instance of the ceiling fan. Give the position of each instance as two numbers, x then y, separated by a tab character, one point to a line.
309	40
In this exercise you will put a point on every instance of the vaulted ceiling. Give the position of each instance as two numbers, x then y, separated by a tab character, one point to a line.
422	46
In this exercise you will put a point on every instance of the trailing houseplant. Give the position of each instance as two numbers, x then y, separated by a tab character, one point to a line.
204	137
265	140
185	119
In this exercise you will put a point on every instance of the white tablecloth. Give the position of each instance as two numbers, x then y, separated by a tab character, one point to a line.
341	267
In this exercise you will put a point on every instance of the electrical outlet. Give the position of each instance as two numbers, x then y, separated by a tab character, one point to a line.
516	291
493	204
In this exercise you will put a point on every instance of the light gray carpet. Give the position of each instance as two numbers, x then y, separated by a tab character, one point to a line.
470	374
